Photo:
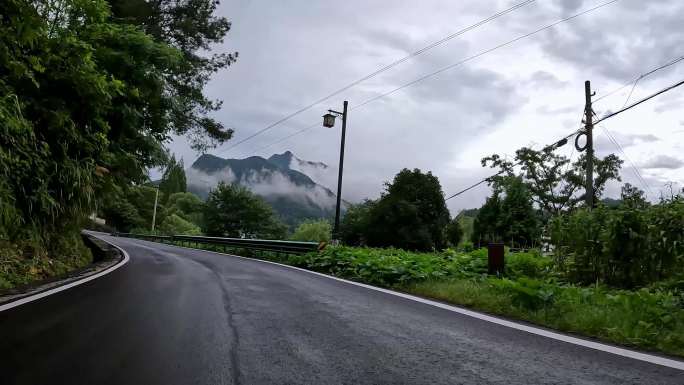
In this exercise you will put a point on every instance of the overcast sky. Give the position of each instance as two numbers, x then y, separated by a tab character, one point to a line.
530	93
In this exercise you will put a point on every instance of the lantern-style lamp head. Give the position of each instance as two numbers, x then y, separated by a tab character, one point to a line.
328	120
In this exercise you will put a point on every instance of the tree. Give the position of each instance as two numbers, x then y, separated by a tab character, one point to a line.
519	224
121	214
411	214
132	207
605	169
233	211
487	224
633	197
507	216
174	224
454	232
355	223
53	131
143	198
553	184
191	27
173	181
313	231
88	102
187	206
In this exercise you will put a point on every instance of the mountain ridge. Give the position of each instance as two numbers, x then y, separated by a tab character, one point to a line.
293	194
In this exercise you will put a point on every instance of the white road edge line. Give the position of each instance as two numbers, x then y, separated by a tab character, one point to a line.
89	278
485	317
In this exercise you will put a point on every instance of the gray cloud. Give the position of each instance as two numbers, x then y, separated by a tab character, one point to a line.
668	103
546	79
663	162
571	6
619	41
546	110
625	140
292	53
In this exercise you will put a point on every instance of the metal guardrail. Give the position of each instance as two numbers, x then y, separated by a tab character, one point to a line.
287	247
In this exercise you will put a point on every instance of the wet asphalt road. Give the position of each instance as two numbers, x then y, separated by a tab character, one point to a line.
179	316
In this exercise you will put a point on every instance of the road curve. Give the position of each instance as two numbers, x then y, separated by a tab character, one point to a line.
180	316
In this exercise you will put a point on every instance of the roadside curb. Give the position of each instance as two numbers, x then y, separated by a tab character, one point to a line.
89	273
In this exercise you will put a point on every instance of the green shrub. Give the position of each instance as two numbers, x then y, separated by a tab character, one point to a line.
467	246
467	264
384	267
313	231
453	232
528	264
175	225
355	223
624	247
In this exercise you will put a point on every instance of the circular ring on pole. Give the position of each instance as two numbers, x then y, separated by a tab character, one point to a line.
577	147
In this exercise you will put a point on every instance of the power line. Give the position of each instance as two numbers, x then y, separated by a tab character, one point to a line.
641	179
610	115
387	67
555	145
638	78
482	53
307	128
461	62
629	96
572	153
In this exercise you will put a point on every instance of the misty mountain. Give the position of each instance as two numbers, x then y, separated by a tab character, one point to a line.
281	180
319	172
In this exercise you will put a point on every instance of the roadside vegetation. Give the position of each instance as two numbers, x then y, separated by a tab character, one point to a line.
313	231
90	93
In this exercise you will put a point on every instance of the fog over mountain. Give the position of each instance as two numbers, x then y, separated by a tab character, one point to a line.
292	186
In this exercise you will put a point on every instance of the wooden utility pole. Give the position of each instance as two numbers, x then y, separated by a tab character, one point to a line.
588	130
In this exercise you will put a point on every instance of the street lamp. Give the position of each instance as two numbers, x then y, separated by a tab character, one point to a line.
329	121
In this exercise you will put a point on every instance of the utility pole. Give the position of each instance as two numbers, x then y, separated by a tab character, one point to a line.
329	121
154	212
339	176
588	130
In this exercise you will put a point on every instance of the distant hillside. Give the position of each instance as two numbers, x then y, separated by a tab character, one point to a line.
293	194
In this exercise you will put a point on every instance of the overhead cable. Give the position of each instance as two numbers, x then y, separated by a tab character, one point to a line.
553	146
612	114
459	63
385	68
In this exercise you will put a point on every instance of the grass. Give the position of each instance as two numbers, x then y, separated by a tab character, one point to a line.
652	320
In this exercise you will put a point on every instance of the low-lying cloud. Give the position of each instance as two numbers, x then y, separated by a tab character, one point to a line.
265	183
